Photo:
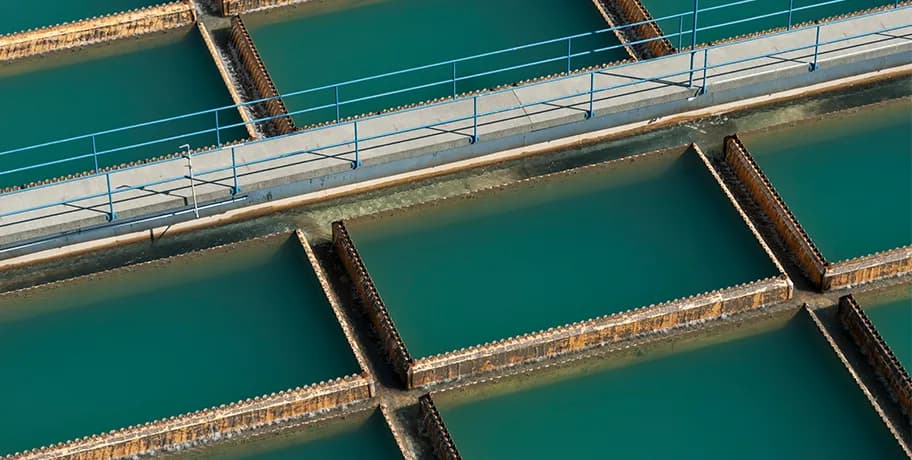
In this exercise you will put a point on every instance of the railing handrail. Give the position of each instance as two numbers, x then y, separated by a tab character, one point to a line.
402	72
593	90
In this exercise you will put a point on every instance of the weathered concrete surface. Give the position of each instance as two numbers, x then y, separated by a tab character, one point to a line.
436	430
422	148
865	269
231	7
96	30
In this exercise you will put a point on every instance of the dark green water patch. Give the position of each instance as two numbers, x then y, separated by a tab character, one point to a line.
360	437
781	393
891	313
17	15
717	22
847	177
148	342
312	49
565	248
108	87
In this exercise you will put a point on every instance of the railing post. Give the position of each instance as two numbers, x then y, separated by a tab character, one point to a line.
454	79
705	69
95	153
218	136
355	164
338	117
236	188
813	66
591	111
693	43
791	6
474	138
111	214
680	32
569	53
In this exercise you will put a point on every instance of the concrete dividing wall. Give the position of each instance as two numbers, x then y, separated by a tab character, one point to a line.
597	332
230	7
262	83
229	81
96	30
371	303
879	354
787	227
631	12
860	270
209	424
623	35
436	431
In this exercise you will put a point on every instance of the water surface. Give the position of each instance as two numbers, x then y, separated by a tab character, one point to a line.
545	253
313	49
847	177
778	394
891	314
163	339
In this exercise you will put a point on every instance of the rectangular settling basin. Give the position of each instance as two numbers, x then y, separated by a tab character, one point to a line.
779	392
557	249
310	47
107	87
360	436
891	312
160	339
846	177
18	16
715	25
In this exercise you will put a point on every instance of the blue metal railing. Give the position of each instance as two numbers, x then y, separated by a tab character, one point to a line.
78	204
217	129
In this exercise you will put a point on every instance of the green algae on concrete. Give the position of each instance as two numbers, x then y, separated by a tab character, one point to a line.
359	438
16	16
712	21
539	254
108	87
780	393
162	339
309	49
847	177
891	313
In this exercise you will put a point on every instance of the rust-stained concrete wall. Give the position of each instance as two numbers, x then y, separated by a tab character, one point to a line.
229	82
262	82
230	7
373	306
633	12
436	431
592	333
96	30
209	423
860	270
879	354
787	227
897	432
623	35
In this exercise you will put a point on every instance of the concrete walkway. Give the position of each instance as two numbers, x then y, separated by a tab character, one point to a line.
320	159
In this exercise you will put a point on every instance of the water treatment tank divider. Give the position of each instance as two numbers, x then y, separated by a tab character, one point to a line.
262	84
896	431
625	36
230	82
567	339
96	30
824	274
632	12
232	7
872	345
436	430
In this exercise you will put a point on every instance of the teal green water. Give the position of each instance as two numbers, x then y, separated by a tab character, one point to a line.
309	51
549	252
847	178
18	15
706	19
163	339
369	438
893	320
780	394
73	95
